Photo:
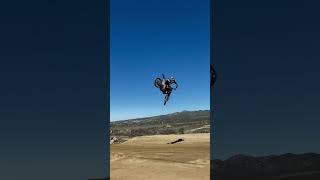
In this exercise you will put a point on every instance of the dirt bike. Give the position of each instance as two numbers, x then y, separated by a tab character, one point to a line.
167	90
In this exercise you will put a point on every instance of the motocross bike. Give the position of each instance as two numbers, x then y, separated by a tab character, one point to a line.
170	84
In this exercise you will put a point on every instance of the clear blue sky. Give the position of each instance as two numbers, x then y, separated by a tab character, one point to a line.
153	37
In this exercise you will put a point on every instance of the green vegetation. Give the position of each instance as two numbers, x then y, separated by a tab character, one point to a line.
177	123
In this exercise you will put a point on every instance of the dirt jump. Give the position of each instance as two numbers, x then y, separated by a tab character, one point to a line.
162	157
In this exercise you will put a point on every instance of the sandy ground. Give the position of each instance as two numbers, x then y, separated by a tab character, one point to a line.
151	158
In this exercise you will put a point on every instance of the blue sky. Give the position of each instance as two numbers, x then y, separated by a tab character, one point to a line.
153	37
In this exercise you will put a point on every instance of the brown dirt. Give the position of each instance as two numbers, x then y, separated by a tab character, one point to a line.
151	158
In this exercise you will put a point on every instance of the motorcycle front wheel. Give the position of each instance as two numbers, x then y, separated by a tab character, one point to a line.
157	82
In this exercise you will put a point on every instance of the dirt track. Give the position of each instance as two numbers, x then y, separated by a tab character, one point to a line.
151	158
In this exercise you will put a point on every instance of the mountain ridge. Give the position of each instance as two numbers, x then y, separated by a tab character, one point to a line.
148	117
280	166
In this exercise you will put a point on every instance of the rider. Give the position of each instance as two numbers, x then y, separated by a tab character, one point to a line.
166	88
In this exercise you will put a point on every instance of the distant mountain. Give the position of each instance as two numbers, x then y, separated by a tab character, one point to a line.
286	166
178	122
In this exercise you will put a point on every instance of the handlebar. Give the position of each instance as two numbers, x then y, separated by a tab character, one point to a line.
174	82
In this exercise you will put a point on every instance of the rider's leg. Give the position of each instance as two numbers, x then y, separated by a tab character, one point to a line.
165	99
